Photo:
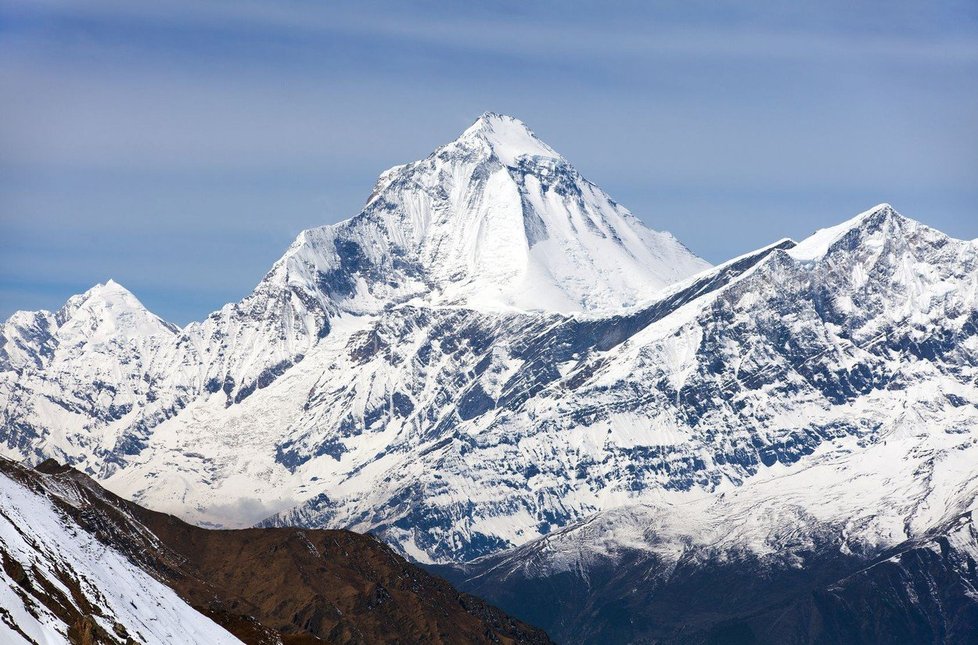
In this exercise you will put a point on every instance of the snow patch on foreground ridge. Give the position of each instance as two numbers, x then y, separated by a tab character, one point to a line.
47	546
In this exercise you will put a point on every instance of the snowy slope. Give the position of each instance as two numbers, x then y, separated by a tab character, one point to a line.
68	377
52	571
458	433
849	343
376	393
495	220
689	561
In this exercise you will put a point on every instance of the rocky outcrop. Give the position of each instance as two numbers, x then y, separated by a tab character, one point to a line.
262	585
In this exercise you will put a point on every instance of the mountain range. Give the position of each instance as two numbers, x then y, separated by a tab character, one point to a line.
507	377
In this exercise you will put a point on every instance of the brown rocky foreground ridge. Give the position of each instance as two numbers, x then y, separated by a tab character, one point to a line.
265	585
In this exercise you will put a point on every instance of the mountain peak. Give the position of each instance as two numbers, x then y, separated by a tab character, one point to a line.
112	306
109	288
507	137
496	218
109	294
818	244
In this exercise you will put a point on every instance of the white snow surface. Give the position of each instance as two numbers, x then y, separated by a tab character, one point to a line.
45	542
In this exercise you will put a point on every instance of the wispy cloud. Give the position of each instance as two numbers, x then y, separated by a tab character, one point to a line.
903	30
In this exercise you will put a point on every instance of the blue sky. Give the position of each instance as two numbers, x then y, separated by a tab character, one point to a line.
179	148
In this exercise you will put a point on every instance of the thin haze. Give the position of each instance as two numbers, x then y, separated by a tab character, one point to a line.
178	147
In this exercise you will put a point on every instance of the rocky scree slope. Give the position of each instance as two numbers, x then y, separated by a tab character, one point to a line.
59	584
261	585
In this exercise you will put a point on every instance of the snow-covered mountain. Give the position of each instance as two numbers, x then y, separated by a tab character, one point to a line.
870	538
494	221
835	344
636	574
493	355
68	377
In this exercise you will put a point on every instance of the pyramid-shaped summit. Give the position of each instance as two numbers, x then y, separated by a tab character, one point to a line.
508	137
494	219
